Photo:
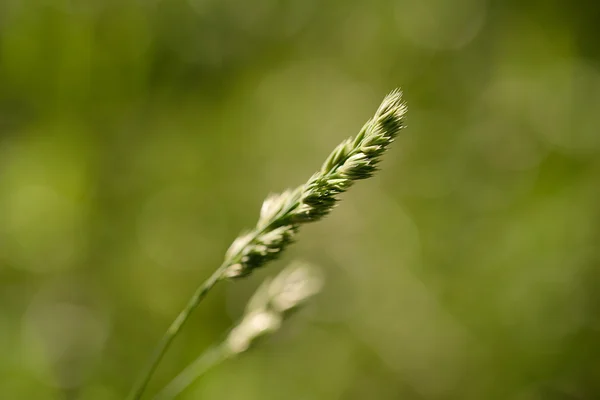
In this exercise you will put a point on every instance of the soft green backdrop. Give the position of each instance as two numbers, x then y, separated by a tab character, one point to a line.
139	137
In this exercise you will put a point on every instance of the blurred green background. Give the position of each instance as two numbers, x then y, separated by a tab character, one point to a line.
139	137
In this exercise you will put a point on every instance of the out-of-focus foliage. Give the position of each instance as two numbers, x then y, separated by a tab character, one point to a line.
138	138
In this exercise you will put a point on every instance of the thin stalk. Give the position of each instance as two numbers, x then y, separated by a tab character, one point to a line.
174	329
207	360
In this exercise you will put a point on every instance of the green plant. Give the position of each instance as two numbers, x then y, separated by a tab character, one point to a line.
282	214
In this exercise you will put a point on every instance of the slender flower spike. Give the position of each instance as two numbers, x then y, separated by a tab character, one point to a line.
282	214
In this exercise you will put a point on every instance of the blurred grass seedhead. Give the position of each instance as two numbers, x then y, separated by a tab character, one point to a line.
272	303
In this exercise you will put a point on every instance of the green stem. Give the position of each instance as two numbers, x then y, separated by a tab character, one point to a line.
142	382
192	372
